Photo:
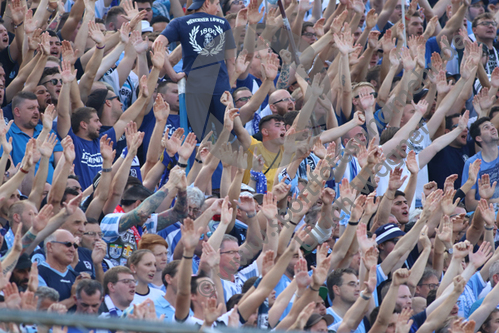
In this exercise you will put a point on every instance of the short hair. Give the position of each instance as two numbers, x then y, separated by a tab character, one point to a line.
113	13
134	193
69	191
248	284
131	181
399	194
361	84
428	273
227	238
486	16
43	293
170	269
148	241
21	97
336	279
144	1
387	134
81	114
50	238
75	177
233	301
266	119
290	117
159	19
234	93
305	25
448	120
475	129
493	111
195	196
90	287
54	59
46	72
100	21
16	208
111	276
194	282
52	33
136	257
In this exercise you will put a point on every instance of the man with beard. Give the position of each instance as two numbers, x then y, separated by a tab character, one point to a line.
20	274
26	126
484	134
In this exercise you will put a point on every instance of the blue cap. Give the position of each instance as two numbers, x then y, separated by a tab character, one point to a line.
196	4
387	232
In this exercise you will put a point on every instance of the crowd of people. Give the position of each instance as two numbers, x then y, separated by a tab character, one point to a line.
326	166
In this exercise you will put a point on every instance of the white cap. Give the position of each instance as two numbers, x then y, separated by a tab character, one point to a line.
146	27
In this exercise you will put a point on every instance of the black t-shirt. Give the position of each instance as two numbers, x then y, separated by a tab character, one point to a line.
450	161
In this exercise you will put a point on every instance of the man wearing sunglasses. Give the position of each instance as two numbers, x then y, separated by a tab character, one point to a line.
60	251
51	79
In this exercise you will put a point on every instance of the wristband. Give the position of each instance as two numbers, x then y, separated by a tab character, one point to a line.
107	170
251	215
182	165
313	288
450	251
185	257
199	161
16	26
321	234
491	228
100	48
293	223
50	10
364	297
407	18
23	171
353	223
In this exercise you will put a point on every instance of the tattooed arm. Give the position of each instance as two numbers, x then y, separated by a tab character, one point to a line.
175	214
283	82
149	205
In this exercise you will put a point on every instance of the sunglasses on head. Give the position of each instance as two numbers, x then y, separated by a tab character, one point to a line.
67	244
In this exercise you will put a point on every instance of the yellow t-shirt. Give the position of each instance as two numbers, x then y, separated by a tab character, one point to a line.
269	157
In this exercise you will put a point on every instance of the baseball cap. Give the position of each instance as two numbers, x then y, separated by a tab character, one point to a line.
387	232
196	4
315	318
23	262
146	26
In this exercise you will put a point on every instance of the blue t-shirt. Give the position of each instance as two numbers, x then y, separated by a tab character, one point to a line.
491	168
62	282
204	39
119	145
172	123
19	142
88	161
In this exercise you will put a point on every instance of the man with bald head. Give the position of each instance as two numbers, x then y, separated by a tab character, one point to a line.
22	212
280	102
60	249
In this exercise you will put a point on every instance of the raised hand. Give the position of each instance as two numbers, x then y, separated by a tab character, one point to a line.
485	190
95	34
447	204
99	251
445	235
481	256
161	109
254	16
267	262
242	62
67	52
474	170
226	214
190	237
187	147
395	181
302	278
172	145
411	163
488	213
158	54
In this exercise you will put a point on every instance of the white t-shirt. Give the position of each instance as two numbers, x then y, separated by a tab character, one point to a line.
152	295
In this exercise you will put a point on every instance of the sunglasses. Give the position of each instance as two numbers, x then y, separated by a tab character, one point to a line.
288	99
53	81
111	98
243	99
67	244
375	94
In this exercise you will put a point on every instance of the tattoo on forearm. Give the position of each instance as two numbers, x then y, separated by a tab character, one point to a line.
175	214
27	239
283	81
147	207
10	267
343	80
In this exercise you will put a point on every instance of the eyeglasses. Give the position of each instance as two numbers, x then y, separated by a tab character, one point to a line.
309	34
477	6
111	98
488	23
243	99
375	95
432	286
232	252
128	281
67	244
394	240
53	81
93	234
288	99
